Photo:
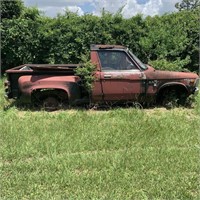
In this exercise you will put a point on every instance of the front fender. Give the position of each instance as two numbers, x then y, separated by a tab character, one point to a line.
171	84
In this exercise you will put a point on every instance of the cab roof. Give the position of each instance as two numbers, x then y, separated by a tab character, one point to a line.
107	46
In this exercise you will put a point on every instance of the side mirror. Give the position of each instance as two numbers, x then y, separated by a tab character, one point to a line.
142	75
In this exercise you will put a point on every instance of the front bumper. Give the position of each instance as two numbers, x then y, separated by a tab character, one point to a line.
196	90
7	94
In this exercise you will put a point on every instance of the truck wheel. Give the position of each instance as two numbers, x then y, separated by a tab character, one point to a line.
50	103
169	98
172	97
50	100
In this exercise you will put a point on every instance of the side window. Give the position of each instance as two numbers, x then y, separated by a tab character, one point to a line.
115	60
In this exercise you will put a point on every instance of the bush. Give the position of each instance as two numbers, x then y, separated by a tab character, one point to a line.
164	64
86	72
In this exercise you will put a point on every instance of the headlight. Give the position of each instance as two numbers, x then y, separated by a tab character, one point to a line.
190	81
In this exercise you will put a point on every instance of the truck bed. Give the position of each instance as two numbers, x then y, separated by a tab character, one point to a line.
15	73
43	68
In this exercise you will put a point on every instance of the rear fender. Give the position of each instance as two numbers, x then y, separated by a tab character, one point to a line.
27	87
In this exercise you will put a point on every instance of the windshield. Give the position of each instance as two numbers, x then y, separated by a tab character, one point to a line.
141	64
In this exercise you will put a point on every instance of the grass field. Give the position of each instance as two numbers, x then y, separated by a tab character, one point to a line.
85	154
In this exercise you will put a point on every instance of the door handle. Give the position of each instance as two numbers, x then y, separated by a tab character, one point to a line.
107	76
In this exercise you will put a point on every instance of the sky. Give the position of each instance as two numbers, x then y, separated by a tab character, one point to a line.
130	7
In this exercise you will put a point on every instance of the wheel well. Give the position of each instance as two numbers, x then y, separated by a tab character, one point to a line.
179	89
41	94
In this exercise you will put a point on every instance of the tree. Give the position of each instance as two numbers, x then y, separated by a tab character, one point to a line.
172	39
20	38
188	5
11	9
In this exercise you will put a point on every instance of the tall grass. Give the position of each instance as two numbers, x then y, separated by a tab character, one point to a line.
115	154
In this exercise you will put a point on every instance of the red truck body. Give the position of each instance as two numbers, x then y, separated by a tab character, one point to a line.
119	77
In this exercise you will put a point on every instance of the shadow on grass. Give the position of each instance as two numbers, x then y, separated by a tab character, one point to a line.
101	107
30	107
20	106
98	107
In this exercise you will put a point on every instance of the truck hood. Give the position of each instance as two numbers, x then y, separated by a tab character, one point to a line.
151	73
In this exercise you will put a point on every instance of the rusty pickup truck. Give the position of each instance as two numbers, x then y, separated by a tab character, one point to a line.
119	77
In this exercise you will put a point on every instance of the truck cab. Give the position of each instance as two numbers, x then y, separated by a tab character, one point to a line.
121	76
118	77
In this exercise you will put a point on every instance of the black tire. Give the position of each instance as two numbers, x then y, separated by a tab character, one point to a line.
50	103
172	97
169	98
50	100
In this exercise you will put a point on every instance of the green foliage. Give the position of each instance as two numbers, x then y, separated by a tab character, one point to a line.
159	41
163	64
191	28
11	9
172	37
31	37
19	42
86	72
31	13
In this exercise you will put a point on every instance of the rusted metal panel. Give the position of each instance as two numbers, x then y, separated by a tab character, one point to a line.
28	84
100	46
159	79
121	85
46	67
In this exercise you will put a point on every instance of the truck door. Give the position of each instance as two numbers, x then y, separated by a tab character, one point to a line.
120	78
